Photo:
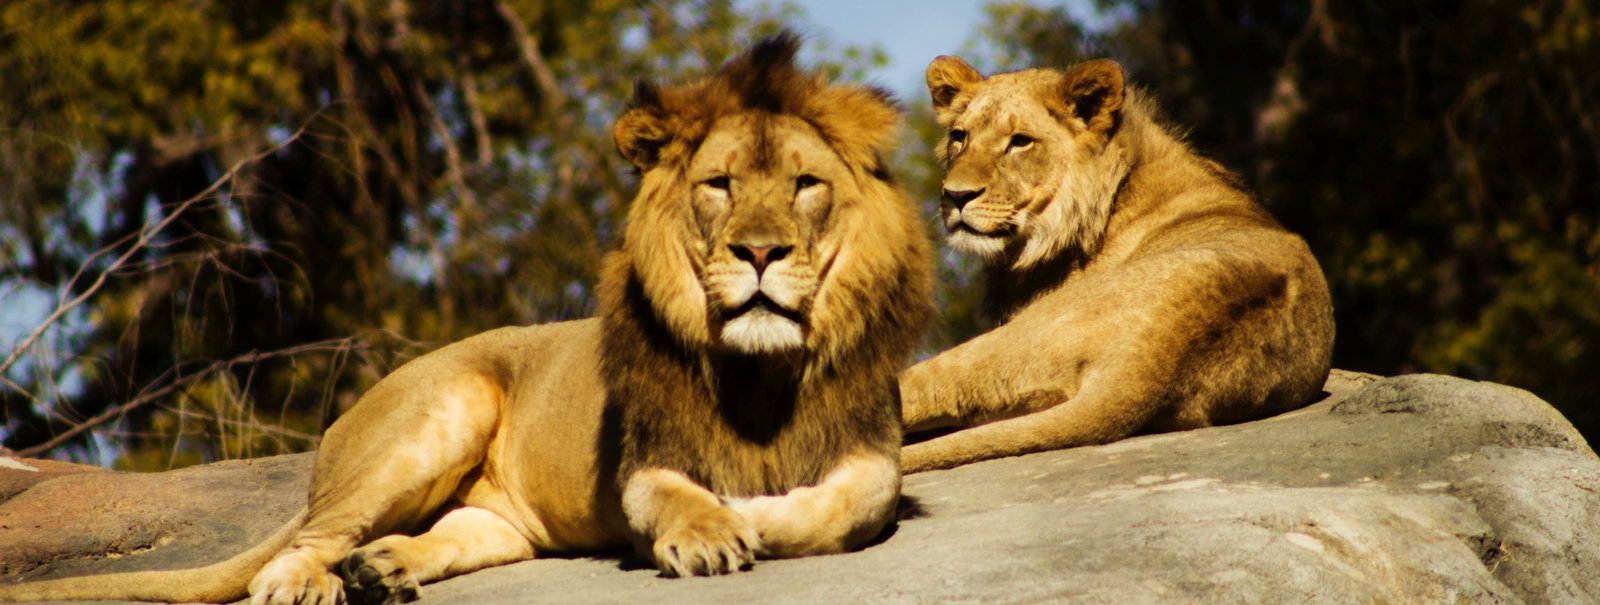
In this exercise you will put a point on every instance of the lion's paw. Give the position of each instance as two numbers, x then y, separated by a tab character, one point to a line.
372	576
295	579
719	542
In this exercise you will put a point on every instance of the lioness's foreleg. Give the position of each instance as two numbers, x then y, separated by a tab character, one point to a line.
1103	411
846	509
990	377
389	569
684	527
386	465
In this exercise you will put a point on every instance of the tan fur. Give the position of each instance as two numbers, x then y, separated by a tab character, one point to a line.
656	424
1136	286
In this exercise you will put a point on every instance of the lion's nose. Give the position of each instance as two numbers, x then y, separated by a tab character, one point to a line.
959	198
759	256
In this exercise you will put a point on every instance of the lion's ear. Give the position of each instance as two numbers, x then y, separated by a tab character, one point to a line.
1095	91
642	131
947	76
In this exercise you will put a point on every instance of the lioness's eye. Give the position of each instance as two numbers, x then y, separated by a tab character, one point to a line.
957	136
1021	140
806	181
718	182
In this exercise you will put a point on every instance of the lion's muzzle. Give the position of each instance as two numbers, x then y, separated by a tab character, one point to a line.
763	307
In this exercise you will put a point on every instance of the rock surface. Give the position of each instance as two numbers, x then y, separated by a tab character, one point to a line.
1407	489
85	522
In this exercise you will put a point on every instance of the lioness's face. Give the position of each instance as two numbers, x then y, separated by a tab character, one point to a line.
762	191
1006	156
1022	152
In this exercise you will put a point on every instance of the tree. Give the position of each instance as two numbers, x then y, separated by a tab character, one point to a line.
434	170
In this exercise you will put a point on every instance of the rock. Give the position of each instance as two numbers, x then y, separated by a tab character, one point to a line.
17	475
1407	489
102	522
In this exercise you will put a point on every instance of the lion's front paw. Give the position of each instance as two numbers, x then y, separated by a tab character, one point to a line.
715	543
372	576
295	579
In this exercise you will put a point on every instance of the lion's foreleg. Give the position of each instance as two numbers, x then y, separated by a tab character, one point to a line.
846	509
464	540
683	527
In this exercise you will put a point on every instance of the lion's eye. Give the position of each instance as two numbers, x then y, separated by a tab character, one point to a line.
1019	141
958	136
718	182
806	181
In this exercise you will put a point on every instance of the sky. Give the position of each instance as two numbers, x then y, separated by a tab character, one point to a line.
910	32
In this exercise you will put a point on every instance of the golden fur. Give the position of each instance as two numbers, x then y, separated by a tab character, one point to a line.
735	398
1136	286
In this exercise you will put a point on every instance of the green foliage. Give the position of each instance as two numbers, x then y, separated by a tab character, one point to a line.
446	168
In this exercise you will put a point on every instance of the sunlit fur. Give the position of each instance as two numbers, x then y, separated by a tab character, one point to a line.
1136	286
762	332
1050	198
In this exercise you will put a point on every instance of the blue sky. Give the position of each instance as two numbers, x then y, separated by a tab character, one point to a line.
910	32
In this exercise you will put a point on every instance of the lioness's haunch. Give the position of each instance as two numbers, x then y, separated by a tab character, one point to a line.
736	398
1137	287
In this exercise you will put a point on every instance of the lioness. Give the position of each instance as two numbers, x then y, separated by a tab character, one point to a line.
735	398
1137	286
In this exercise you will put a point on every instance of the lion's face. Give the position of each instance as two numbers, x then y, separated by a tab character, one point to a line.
1029	169
765	223
763	192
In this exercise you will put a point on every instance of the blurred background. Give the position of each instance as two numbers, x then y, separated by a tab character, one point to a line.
222	221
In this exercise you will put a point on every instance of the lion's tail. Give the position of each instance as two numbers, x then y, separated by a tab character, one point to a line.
221	582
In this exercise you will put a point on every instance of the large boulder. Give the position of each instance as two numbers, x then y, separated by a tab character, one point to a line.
72	523
1407	489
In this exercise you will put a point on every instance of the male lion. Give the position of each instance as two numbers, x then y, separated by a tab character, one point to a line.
1137	286
736	397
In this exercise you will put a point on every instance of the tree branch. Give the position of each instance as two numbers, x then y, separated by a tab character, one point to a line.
140	242
480	124
528	45
179	383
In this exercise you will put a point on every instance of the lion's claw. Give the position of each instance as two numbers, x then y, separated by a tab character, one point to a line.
718	543
373	577
295	579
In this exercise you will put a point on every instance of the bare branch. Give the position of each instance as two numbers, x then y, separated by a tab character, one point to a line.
143	240
149	396
528	44
452	153
480	124
1464	152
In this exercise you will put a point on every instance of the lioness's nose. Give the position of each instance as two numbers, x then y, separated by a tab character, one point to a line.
959	198
759	256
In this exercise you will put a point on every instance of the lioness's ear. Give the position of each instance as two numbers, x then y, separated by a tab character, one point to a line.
642	131
1094	91
947	75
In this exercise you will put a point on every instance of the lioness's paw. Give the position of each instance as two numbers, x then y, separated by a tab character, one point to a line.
295	580
719	542
372	576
